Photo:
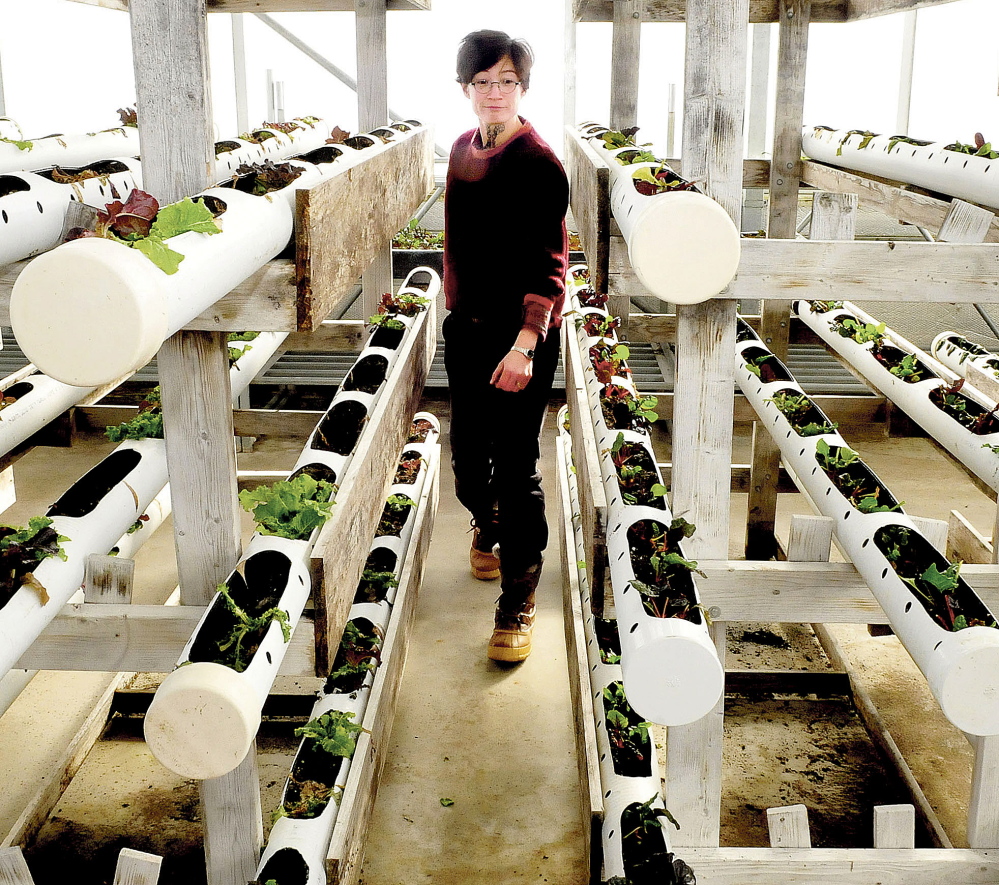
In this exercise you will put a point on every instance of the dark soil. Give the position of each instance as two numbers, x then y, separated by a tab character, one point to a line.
340	429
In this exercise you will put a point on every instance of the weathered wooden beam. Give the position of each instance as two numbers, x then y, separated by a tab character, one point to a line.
897	271
332	335
626	41
861	9
891	198
589	197
842	866
339	554
135	638
277	5
760	11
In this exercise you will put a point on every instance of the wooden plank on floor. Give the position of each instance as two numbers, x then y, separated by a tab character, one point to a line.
894	826
350	831
590	798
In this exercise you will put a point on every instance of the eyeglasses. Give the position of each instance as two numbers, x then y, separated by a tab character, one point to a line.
505	86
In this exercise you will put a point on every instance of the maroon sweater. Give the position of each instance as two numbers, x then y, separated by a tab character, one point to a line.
505	243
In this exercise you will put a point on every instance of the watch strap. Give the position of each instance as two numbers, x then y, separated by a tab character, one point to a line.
528	353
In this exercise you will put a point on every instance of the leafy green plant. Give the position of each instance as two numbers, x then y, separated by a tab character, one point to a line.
128	117
135	526
825	306
662	573
235	650
265	177
290	508
622	409
910	369
358	653
394	515
19	144
617	138
374	585
896	140
238	337
142	224
833	461
853	479
404	304
636	475
968	413
147	424
412	236
791	405
756	363
21	551
865	139
609	361
651	181
335	733
981	148
862	333
598	326
384	321
644	848
627	732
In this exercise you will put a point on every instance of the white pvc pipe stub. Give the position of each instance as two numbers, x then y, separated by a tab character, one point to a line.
967	682
684	247
112	332
188	698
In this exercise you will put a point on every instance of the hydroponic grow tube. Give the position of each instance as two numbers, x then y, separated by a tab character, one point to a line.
968	446
204	715
308	839
618	791
670	667
927	164
33	206
957	353
961	666
68	150
683	246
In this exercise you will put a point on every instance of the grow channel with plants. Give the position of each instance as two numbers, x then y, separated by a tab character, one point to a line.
683	246
206	713
958	417
938	617
671	670
965	170
314	790
635	833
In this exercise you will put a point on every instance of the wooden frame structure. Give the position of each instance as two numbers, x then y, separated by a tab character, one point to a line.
776	269
296	296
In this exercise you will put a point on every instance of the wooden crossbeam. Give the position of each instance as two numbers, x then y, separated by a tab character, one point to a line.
760	11
277	5
842	866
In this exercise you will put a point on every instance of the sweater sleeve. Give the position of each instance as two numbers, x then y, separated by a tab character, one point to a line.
544	236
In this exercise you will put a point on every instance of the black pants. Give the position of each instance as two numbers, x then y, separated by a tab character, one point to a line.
495	435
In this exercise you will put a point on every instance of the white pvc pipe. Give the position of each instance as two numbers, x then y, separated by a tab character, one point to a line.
929	166
10	130
69	150
86	341
12	683
40	400
961	668
957	353
23	618
683	246
204	715
913	399
157	512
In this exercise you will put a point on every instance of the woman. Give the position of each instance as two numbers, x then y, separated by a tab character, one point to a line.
505	256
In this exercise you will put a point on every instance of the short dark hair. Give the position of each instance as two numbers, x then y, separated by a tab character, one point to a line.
480	50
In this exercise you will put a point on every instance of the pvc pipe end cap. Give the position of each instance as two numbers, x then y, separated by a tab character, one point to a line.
202	720
89	311
675	680
969	692
685	249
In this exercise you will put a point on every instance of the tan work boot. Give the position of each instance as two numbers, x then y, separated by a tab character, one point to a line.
482	557
511	639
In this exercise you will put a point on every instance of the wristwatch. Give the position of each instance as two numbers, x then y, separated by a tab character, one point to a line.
528	353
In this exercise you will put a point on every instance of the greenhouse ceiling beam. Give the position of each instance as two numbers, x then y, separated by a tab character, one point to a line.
760	11
279	5
327	65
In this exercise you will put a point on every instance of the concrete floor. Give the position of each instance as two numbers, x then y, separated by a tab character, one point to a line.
496	740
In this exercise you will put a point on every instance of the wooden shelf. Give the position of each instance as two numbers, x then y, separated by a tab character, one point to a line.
278	5
760	11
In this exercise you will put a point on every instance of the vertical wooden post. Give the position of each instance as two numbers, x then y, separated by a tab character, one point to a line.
784	174
108	579
714	109
170	52
788	827
894	826
137	868
372	111
14	868
983	809
834	216
625	53
569	69
239	71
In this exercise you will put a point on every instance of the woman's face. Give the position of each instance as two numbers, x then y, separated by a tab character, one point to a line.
494	107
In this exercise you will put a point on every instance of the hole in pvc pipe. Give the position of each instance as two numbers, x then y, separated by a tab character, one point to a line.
935	647
84	495
846	515
607	794
866	542
286	866
884	573
788	435
267	655
634	627
908	605
11	184
41	211
828	491
802	452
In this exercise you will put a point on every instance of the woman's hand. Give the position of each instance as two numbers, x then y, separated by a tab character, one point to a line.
513	372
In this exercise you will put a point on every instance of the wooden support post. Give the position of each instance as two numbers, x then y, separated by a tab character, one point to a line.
108	579
137	868
966	223
625	54
717	39
834	216
810	539
983	807
8	494
788	827
568	68
965	542
170	51
794	17
894	826
372	111
14	868
232	822
934	530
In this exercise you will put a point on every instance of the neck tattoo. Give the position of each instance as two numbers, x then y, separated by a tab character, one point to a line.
492	133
